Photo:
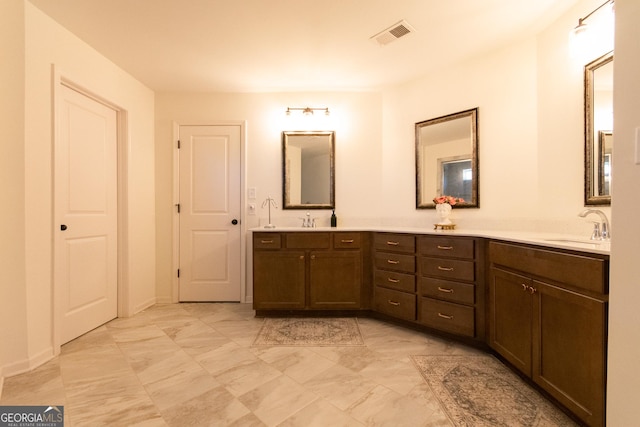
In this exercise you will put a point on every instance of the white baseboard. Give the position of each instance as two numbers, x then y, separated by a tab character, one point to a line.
26	365
143	306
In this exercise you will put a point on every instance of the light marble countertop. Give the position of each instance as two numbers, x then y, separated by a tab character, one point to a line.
551	240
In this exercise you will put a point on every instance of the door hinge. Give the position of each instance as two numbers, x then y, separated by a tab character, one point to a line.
178	272
178	144
178	207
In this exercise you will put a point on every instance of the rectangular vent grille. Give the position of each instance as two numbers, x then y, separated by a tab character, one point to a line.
393	33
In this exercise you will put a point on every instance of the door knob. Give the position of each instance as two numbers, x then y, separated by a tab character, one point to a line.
234	221
63	227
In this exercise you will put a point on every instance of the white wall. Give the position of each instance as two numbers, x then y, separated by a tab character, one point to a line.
356	118
13	324
624	317
45	44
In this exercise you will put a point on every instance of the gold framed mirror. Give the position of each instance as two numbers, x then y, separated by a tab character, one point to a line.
447	159
308	170
598	136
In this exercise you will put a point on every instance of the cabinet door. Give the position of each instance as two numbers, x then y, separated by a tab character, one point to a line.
510	308
278	280
335	279
569	338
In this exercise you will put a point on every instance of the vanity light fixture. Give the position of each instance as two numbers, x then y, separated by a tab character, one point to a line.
307	111
581	29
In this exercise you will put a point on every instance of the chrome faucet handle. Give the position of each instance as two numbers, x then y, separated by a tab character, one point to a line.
605	234
596	234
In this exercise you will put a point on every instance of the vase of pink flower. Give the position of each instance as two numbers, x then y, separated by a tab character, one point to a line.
444	205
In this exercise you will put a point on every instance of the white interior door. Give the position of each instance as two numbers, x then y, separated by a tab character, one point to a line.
85	266
210	213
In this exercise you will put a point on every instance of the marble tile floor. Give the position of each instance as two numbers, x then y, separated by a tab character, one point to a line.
194	365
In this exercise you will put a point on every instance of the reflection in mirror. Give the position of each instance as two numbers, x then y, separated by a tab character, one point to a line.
598	105
308	176
447	159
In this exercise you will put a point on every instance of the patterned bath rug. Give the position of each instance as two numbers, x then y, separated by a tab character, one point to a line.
480	391
310	332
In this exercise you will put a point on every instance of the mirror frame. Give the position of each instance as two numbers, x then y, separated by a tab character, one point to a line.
475	167
286	204
591	154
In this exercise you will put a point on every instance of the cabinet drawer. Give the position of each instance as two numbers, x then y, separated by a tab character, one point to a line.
267	241
346	240
446	316
394	303
449	247
395	242
447	268
397	262
463	293
391	279
579	271
310	240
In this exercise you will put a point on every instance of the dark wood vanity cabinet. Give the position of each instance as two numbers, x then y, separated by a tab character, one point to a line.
307	270
450	285
548	318
394	275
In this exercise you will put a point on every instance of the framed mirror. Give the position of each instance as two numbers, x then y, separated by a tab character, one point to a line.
598	121
447	159
308	171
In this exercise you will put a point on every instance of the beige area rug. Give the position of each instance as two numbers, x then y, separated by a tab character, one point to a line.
310	332
481	391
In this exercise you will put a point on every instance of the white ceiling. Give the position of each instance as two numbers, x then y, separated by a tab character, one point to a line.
293	45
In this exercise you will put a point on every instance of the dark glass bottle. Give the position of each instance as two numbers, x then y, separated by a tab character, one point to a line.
334	219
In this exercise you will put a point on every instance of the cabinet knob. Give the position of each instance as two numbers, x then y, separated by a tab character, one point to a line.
532	290
524	287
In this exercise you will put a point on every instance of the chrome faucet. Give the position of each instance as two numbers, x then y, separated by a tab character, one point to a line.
308	222
601	231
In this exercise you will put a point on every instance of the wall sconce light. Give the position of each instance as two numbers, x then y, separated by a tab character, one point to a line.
580	33
307	111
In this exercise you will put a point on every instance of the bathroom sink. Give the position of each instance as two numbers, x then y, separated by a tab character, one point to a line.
577	241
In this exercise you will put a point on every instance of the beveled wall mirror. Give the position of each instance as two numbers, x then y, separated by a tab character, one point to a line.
308	173
598	135
447	159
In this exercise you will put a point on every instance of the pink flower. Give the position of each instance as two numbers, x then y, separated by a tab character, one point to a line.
448	199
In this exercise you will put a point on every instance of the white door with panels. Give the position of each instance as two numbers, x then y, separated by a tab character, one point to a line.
85	205
209	210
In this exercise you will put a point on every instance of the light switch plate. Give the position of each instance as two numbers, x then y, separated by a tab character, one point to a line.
251	193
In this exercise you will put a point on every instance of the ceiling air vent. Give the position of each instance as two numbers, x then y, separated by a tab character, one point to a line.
393	33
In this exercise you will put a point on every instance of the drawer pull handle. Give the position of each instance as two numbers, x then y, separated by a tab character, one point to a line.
346	241
444	316
445	248
266	241
390	243
396	303
445	268
392	280
393	261
449	291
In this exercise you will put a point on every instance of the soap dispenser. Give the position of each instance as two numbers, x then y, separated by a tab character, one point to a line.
334	220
